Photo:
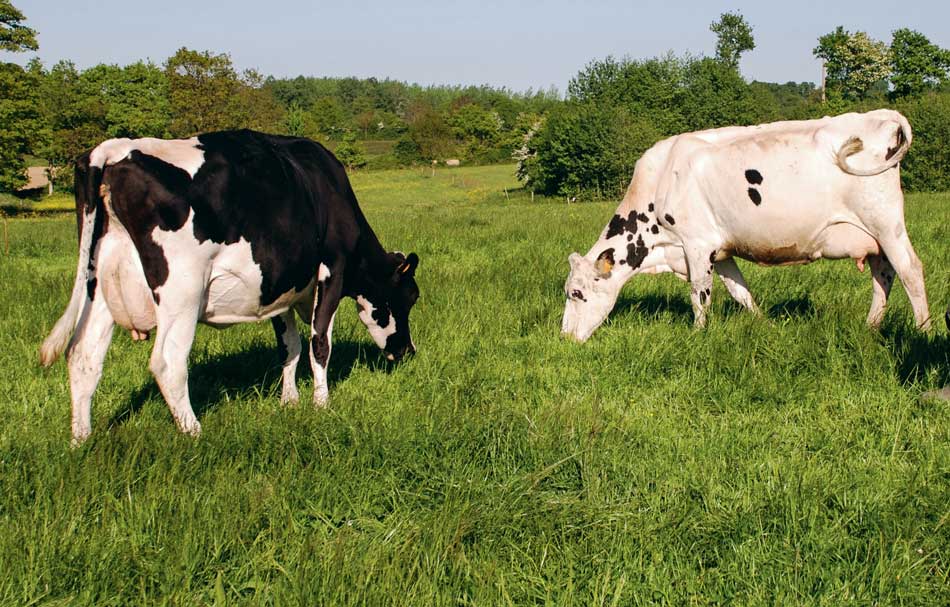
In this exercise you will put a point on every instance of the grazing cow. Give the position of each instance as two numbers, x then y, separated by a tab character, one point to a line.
222	228
780	193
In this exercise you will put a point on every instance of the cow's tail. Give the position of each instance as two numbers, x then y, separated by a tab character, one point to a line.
854	145
88	180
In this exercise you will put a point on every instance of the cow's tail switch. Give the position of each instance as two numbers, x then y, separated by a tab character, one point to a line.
894	155
88	180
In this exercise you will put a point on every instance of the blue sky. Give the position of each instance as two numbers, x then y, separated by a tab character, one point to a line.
513	44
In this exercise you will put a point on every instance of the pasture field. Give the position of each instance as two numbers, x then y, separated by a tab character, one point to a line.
784	460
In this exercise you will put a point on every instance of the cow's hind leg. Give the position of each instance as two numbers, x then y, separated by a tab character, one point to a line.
882	277
84	359
698	261
735	283
174	336
901	255
288	346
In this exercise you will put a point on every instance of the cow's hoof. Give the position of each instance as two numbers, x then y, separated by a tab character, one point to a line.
321	398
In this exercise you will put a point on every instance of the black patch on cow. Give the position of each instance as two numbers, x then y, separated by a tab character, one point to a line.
381	315
712	256
650	207
754	177
755	196
262	188
91	288
280	327
655	229
320	347
619	224
636	253
669	219
629	237
643	217
702	297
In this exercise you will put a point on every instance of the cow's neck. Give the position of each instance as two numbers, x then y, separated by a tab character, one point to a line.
630	238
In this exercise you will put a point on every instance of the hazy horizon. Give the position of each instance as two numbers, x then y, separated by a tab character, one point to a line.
518	46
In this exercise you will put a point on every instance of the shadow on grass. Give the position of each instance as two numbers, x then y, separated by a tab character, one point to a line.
653	305
918	353
797	307
211	381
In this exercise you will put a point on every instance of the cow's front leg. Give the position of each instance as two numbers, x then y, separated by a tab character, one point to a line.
735	283
329	292
288	348
700	265
882	278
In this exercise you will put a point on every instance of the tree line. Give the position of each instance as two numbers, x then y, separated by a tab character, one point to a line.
584	144
617	108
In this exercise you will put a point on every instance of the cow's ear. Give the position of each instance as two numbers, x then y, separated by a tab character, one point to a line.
605	263
574	259
408	267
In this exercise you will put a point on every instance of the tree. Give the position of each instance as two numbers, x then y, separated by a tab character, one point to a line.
349	152
734	37
854	63
917	65
19	117
14	36
201	87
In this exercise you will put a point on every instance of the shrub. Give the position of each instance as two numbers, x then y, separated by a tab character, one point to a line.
585	148
350	152
927	164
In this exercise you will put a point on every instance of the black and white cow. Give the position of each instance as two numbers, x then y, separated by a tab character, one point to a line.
779	193
222	228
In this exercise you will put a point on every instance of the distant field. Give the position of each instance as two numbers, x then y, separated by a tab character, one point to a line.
776	461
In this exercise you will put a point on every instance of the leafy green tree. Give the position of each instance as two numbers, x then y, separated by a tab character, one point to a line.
329	117
14	36
917	65
430	132
854	63
733	37
19	123
587	148
350	152
714	95
20	126
476	129
201	87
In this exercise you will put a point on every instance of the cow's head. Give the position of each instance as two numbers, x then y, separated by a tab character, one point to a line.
386	296
591	294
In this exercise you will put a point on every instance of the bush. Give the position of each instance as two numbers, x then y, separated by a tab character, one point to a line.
927	164
350	152
585	148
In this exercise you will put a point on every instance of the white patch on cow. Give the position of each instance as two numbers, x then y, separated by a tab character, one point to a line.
182	153
323	273
321	387
365	309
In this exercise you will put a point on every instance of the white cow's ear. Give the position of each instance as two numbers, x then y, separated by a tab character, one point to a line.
574	259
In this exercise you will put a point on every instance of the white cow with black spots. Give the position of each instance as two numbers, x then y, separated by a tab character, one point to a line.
780	193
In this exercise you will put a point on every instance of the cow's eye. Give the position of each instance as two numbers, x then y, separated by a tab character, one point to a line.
576	294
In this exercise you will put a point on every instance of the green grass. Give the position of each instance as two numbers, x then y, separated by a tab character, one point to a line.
775	461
